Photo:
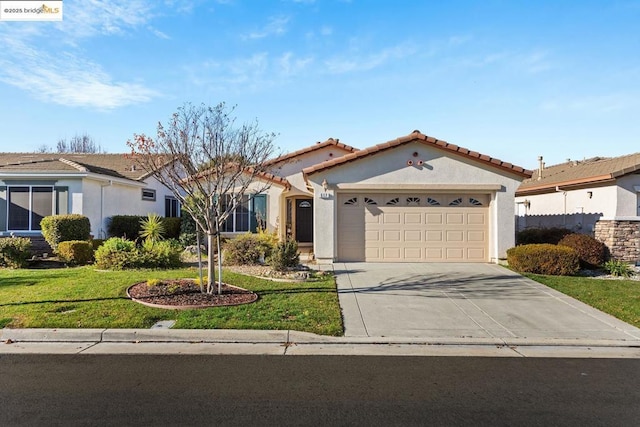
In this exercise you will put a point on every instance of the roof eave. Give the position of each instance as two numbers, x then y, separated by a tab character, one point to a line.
566	185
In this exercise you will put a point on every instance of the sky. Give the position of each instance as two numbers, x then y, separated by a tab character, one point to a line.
511	79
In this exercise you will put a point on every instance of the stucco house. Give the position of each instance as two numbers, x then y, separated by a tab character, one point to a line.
598	196
412	199
98	186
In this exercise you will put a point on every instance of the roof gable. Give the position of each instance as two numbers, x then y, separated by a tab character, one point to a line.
596	170
416	136
312	148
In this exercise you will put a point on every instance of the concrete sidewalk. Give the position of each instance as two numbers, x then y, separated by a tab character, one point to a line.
293	343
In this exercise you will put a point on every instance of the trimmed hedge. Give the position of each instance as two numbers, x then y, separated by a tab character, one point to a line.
245	249
544	258
541	235
14	251
592	252
75	252
62	228
117	253
129	226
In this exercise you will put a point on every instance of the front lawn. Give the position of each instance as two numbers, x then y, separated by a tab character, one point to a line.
619	298
83	297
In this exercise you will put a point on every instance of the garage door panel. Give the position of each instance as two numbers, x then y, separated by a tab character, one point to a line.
434	218
454	235
475	236
416	231
455	218
476	219
412	235
433	236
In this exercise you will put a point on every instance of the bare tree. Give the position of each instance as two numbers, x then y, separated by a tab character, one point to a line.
78	144
43	149
209	164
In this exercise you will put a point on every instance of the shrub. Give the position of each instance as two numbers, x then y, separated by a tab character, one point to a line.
160	254
117	253
62	228
96	243
75	252
285	255
544	258
243	249
618	268
171	227
152	228
268	242
541	235
187	229
592	253
127	226
14	251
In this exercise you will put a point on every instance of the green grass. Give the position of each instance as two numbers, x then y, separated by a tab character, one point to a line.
619	298
83	297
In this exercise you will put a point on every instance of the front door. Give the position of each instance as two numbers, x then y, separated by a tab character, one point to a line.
304	220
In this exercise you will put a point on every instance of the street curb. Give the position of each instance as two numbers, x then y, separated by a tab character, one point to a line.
284	337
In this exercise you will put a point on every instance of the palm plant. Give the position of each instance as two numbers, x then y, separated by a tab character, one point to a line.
152	228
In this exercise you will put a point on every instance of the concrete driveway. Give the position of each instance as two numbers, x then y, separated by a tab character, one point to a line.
463	301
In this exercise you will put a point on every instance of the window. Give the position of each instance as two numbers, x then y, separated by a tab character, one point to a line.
368	201
249	213
171	207
432	202
352	201
456	202
393	201
27	206
413	201
474	202
149	194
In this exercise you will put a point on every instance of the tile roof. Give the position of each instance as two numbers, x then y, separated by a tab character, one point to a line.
584	172
416	136
114	165
317	146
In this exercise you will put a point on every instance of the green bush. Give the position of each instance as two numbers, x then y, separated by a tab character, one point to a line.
14	251
285	255
62	228
171	227
160	254
117	253
268	242
127	226
245	249
75	252
541	235
544	258
618	268
96	243
592	253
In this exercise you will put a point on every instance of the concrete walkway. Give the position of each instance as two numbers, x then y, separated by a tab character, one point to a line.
466	301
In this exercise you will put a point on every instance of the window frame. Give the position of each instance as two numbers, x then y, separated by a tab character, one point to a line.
148	198
30	227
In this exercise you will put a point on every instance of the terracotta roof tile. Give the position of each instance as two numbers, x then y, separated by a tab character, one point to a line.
427	140
583	172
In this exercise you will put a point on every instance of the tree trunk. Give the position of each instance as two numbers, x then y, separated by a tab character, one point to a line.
211	242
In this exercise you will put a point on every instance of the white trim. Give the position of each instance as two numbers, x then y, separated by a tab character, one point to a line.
30	187
427	187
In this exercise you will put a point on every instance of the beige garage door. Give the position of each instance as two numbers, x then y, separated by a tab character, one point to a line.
413	227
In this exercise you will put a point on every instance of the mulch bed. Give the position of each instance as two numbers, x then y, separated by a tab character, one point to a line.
185	294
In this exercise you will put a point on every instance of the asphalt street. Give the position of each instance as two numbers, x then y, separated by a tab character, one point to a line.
315	390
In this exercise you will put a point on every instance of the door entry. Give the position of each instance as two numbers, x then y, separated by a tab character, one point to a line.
304	220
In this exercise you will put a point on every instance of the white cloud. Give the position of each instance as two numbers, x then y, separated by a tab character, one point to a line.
98	17
353	63
276	26
291	66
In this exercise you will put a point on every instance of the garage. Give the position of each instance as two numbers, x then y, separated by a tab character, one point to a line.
413	227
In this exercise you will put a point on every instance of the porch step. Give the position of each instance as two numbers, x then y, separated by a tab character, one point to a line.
40	246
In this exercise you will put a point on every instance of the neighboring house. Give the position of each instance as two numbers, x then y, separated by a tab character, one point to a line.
413	199
97	186
598	196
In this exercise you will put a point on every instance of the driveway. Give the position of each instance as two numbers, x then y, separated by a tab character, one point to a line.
464	301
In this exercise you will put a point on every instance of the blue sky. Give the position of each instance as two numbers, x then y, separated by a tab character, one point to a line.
511	79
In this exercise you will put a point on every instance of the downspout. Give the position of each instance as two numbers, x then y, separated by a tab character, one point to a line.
103	234
564	216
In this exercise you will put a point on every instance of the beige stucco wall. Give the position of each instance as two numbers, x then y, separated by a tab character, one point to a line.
578	209
441	170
